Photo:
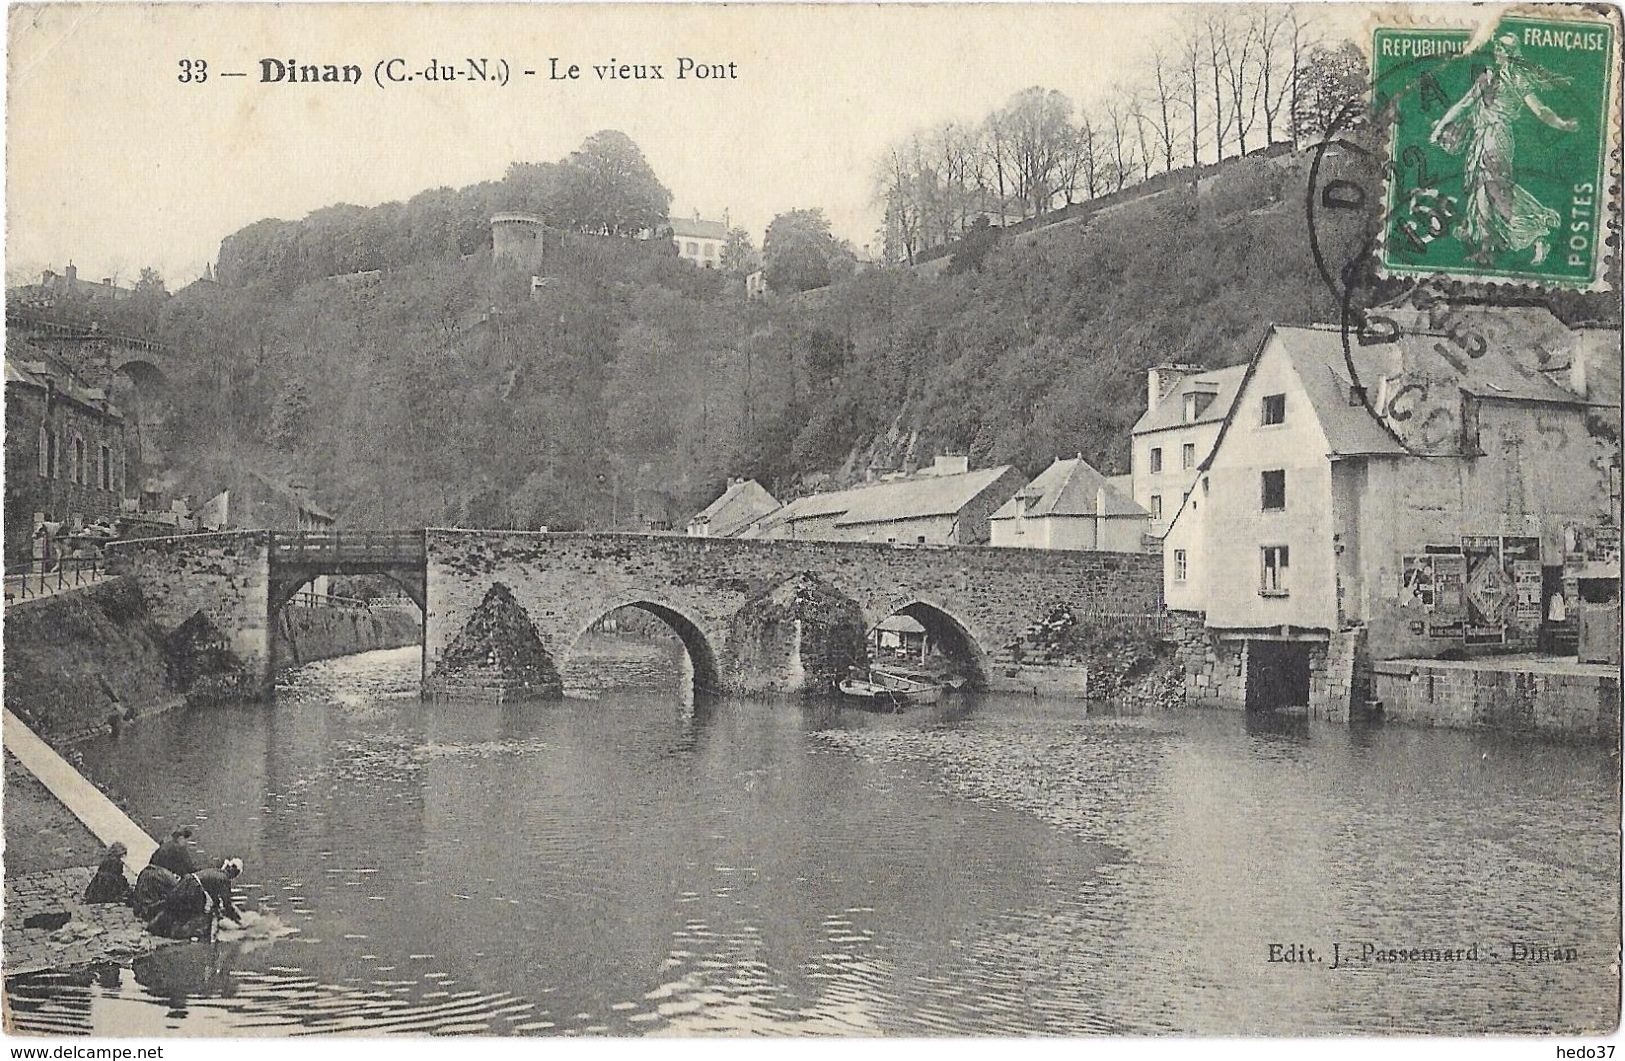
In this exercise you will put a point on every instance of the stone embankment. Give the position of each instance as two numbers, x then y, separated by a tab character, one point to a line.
96	658
305	634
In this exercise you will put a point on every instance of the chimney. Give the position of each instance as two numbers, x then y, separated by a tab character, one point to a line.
72	273
951	464
1160	381
1578	366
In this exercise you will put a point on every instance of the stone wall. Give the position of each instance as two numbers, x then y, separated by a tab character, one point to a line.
1548	697
76	660
224	578
1215	670
304	633
564	582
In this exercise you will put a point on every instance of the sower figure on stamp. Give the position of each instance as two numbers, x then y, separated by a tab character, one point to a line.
1499	214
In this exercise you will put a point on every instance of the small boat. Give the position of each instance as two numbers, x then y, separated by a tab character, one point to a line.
947	680
881	687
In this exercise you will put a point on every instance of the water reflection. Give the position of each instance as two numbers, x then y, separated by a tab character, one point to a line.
637	863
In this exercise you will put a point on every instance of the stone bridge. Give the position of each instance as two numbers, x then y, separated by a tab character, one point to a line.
503	610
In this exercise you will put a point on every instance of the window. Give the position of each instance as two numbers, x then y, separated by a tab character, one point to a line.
78	473
1272	577
1274	409
1156	506
1156	460
45	448
1274	489
105	467
54	449
1180	568
1187	456
692	248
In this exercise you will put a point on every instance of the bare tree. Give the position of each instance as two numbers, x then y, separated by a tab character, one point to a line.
1214	30
1282	40
1120	158
1162	106
1240	43
1190	76
896	187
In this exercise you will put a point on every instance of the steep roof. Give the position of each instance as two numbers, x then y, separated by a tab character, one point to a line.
1070	487
741	504
1222	383
697	228
1350	426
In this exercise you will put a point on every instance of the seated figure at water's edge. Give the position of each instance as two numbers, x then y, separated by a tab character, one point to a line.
175	853
109	885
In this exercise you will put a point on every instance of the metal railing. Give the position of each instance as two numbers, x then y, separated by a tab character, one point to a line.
45	578
326	546
311	599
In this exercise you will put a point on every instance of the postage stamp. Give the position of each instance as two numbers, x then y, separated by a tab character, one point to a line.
1499	149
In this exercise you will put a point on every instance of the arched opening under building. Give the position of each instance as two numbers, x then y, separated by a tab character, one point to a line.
640	645
922	639
140	390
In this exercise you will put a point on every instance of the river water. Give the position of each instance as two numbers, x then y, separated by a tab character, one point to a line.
1003	865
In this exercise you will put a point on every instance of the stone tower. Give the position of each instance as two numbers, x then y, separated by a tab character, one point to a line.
516	239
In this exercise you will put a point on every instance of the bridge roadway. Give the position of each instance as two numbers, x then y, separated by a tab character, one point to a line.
502	610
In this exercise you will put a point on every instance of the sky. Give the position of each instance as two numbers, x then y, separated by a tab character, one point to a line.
115	163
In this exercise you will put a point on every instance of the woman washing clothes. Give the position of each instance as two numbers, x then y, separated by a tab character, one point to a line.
196	904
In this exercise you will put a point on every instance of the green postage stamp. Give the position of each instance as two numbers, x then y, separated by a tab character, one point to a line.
1500	139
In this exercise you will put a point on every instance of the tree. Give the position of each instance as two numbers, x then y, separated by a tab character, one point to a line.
739	257
607	187
974	247
1332	85
796	251
1038	125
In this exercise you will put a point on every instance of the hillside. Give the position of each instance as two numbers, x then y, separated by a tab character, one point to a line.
438	391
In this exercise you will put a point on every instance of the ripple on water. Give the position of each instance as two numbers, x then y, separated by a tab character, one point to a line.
1018	868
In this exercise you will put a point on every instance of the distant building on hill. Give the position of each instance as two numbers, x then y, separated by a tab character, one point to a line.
743	503
517	239
700	241
947	504
1070	506
57	287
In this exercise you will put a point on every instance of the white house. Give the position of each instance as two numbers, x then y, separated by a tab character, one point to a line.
1070	506
699	241
1184	407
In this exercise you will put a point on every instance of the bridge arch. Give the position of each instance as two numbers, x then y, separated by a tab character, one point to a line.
700	646
944	630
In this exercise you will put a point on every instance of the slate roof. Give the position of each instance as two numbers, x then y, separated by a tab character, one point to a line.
31	366
744	502
1222	383
698	229
1069	487
897	499
1349	425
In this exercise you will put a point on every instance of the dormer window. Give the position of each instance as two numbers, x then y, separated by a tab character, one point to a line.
1196	403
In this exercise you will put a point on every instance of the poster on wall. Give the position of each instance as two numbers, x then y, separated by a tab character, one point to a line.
1416	583
1449	614
1486	588
1520	561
